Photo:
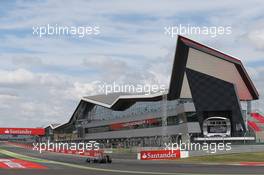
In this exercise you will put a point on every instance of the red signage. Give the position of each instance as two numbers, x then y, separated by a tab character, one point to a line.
19	164
160	155
22	131
117	126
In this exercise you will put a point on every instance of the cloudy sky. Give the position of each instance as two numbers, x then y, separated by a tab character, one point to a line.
42	79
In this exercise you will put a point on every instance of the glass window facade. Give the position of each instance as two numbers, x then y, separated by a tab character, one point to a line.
157	109
140	124
99	113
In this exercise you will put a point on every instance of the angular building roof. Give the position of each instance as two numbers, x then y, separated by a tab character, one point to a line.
114	100
196	56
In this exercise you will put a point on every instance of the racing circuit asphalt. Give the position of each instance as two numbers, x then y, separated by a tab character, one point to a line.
62	164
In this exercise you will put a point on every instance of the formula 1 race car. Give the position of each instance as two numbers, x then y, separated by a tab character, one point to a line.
99	159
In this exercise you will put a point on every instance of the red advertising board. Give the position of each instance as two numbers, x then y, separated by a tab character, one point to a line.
22	131
19	164
117	126
160	155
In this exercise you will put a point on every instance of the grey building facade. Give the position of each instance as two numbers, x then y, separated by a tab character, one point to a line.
204	83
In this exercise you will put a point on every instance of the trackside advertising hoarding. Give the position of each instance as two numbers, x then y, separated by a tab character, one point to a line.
22	131
160	155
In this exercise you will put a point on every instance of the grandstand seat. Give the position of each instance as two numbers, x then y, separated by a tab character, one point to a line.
254	126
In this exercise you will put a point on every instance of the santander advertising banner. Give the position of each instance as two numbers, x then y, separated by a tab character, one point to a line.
160	155
22	131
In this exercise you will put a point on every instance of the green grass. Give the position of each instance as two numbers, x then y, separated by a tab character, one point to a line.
236	157
23	157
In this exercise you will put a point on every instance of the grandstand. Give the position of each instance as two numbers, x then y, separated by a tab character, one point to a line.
256	124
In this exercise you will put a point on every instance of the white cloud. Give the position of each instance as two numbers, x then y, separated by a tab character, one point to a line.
257	38
81	89
19	76
44	98
6	100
